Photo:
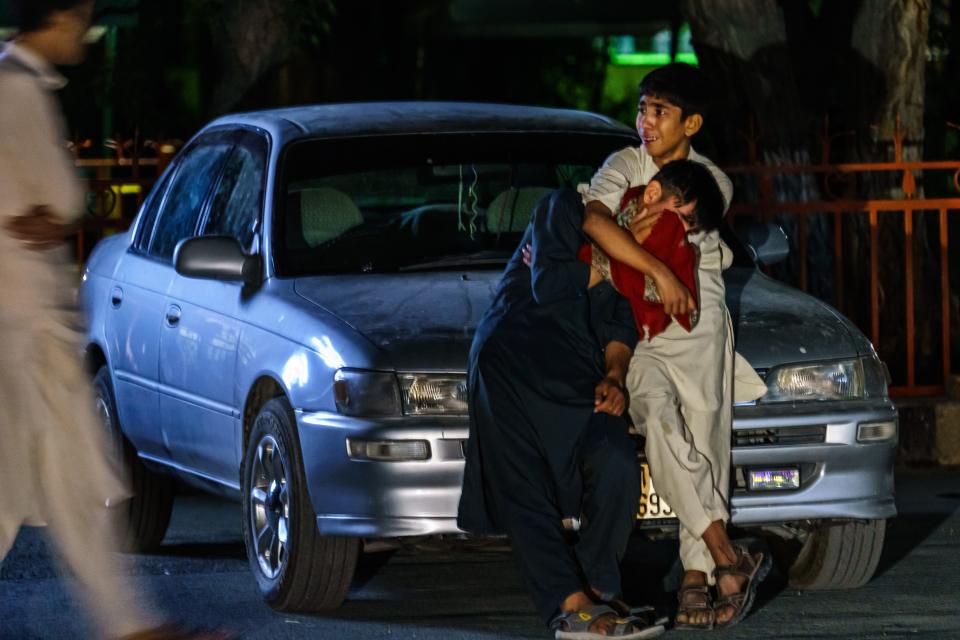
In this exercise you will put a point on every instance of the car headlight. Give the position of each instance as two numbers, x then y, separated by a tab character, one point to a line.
428	394
360	392
851	379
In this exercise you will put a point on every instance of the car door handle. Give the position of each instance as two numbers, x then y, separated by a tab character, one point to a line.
116	297
173	315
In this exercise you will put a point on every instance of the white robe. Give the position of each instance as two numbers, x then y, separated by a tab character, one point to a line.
53	450
682	384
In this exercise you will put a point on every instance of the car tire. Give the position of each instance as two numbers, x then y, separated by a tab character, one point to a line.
142	520
296	568
838	556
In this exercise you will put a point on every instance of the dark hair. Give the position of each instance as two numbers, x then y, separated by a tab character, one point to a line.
32	15
681	84
689	180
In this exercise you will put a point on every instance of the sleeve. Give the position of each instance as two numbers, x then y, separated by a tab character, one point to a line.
556	274
621	327
30	140
612	180
725	184
723	180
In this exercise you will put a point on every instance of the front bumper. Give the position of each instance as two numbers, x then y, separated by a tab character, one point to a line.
383	499
840	478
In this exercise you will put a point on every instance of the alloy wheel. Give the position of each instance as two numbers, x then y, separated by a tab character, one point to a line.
270	507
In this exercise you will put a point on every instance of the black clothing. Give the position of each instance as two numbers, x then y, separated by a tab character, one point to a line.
537	452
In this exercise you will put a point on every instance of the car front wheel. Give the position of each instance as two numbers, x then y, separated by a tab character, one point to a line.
838	556
296	568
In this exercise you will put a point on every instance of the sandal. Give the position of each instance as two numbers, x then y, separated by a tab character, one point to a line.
694	598
575	625
645	615
753	567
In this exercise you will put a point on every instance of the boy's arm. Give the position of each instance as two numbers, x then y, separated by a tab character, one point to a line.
620	245
609	395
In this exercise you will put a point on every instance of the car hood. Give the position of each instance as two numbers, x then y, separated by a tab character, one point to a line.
426	321
775	324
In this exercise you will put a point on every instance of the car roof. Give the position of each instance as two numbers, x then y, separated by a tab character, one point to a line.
387	118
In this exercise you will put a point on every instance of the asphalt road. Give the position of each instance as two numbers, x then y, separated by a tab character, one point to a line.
201	576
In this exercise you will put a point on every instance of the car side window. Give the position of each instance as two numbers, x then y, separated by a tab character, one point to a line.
238	197
183	202
151	207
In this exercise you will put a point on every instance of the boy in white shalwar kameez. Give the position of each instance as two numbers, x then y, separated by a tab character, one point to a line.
681	384
54	465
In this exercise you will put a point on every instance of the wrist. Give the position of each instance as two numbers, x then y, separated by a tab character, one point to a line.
660	272
617	377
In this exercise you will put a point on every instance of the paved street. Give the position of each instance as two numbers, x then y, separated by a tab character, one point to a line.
201	576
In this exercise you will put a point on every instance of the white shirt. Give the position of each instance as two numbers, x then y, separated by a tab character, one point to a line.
51	436
632	167
35	167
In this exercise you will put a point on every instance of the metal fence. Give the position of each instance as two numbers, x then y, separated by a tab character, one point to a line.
865	213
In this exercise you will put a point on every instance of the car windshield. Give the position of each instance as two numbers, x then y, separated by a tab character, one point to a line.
393	203
422	202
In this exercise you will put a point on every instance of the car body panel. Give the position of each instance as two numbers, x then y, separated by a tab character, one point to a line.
198	354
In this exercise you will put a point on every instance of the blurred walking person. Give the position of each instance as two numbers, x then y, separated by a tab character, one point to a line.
55	468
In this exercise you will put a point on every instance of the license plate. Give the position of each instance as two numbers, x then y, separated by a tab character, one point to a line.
652	505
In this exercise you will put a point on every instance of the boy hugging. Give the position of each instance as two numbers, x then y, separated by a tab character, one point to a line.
681	376
681	184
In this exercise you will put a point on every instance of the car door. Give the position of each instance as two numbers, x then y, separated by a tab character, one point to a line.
200	404
139	292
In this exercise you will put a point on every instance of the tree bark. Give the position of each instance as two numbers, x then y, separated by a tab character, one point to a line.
254	37
779	68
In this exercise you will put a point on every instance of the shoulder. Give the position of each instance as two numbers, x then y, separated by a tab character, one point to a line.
19	88
723	180
626	157
14	78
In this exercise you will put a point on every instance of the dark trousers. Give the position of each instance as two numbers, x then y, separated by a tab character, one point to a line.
524	492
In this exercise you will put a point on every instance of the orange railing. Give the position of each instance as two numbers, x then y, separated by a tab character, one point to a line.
766	207
116	186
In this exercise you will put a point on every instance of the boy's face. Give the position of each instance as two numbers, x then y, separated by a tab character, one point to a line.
656	200
665	134
70	27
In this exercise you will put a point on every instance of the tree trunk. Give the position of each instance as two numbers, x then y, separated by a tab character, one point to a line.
779	68
254	37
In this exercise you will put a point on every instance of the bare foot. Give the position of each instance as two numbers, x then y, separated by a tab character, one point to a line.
723	553
695	606
580	601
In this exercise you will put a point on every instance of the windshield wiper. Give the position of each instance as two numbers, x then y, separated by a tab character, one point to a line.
448	262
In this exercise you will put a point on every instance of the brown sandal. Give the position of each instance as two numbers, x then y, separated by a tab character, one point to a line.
753	567
694	598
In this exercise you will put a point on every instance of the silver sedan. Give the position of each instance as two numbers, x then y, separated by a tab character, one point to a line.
287	322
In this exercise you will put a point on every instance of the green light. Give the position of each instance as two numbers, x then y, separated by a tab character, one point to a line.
650	59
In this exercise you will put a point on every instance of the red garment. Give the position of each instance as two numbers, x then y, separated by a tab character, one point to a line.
668	243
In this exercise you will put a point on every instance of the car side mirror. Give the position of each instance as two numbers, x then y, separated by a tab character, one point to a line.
767	243
216	258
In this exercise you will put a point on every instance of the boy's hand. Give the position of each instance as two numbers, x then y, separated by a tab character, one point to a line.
642	223
674	295
39	229
609	397
527	252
